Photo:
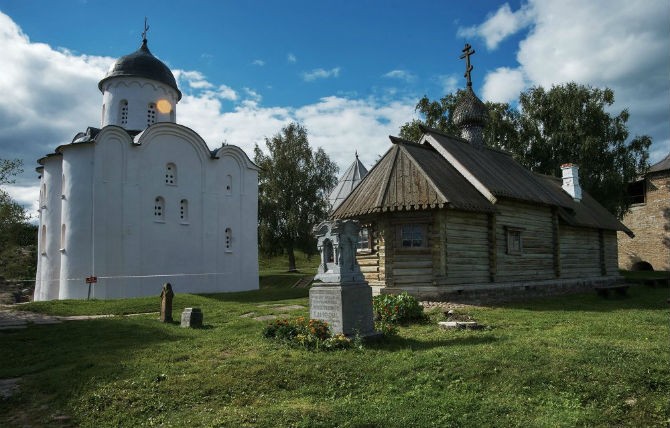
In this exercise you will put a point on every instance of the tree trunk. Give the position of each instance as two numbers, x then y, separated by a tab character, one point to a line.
291	261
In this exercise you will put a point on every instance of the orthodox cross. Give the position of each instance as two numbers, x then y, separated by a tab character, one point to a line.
146	28
467	51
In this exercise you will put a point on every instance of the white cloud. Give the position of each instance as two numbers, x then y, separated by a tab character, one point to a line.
258	62
253	95
401	75
499	26
320	73
227	93
291	58
603	43
48	96
194	79
503	85
449	83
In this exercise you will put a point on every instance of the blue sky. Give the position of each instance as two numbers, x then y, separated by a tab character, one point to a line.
350	71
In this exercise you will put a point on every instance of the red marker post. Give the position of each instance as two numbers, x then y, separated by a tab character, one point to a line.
90	280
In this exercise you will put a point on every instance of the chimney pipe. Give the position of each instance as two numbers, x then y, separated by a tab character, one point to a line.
571	181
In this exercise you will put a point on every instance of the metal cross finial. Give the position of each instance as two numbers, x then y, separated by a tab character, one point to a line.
146	28
467	51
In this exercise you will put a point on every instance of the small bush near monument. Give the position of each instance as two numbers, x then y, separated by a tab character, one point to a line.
396	308
308	334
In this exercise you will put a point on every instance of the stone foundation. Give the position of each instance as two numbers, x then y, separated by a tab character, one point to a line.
503	292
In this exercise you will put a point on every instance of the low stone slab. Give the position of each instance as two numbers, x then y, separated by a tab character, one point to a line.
248	315
288	308
448	325
266	318
191	318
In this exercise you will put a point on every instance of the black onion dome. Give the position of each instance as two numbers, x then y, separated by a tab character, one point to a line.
470	110
142	63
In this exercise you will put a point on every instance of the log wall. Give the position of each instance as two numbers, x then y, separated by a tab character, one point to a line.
580	252
536	261
466	248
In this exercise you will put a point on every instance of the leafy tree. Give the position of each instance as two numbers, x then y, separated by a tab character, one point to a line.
293	186
12	215
18	249
568	123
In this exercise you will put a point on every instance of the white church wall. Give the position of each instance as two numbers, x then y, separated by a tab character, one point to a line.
172	245
50	228
77	215
238	211
109	200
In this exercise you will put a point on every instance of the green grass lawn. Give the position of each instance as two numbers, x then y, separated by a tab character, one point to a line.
570	361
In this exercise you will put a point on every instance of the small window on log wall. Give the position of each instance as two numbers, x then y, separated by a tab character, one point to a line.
514	240
412	235
363	240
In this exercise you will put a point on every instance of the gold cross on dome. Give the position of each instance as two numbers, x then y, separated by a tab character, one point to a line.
467	51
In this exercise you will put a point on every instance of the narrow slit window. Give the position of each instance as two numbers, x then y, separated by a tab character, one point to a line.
183	210
62	237
123	112
151	114
229	184
62	187
43	196
43	240
171	174
159	209
229	240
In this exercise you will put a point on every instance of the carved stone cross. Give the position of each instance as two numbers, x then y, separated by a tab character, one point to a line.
467	51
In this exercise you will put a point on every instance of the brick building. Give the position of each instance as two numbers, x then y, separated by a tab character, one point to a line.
649	219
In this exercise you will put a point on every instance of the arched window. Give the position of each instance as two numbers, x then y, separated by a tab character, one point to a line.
62	237
151	114
43	240
183	210
43	196
229	240
229	184
171	174
123	112
159	209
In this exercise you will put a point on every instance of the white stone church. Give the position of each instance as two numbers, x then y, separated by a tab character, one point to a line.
142	200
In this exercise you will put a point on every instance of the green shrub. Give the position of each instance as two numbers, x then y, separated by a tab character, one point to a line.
308	334
396	308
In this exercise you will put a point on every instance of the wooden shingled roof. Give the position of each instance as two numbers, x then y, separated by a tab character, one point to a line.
411	177
442	171
496	170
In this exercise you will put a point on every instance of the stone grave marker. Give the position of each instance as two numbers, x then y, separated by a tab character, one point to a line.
343	299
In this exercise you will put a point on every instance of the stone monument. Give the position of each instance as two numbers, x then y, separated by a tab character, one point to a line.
166	302
191	318
343	298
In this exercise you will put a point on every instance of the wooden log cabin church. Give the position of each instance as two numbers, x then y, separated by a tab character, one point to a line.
446	217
